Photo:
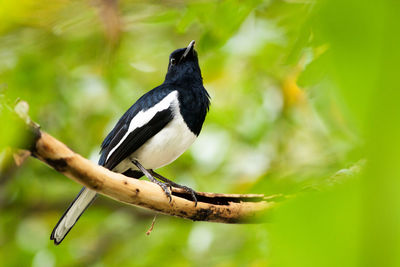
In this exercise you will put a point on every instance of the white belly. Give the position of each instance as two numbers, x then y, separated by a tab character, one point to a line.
163	148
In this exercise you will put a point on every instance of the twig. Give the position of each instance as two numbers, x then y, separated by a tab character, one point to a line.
152	225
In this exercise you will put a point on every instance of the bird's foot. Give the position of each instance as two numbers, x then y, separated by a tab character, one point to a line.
164	186
171	183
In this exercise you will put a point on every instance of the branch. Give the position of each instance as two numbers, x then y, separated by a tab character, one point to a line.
224	208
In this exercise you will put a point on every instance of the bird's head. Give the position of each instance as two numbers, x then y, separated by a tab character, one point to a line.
184	66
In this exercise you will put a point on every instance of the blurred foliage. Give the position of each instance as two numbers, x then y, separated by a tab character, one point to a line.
300	89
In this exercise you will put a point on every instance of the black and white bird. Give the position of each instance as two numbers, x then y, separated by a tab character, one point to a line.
152	133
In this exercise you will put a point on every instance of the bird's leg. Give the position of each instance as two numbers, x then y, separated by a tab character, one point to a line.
151	178
171	183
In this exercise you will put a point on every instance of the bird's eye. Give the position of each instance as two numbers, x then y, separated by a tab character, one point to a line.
173	61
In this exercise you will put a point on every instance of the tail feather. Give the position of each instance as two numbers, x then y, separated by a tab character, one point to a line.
72	214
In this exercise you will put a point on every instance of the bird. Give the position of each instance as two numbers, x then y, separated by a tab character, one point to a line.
158	128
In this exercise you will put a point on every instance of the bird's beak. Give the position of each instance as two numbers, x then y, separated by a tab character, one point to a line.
189	48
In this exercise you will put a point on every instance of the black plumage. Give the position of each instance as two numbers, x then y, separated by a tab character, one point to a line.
165	119
184	77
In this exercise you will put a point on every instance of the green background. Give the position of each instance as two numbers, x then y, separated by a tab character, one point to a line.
300	90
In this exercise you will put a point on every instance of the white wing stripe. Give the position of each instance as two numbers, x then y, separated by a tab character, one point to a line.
144	117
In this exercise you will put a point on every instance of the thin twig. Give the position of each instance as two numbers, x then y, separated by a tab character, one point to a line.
152	225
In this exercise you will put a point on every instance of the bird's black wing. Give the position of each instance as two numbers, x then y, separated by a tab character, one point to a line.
111	156
138	137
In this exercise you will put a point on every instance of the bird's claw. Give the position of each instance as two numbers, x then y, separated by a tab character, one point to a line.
166	188
173	184
192	192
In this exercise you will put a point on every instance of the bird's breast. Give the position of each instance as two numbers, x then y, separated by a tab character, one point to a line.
166	146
